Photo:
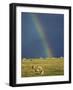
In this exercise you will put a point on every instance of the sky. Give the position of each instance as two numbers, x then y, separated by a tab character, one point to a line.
42	35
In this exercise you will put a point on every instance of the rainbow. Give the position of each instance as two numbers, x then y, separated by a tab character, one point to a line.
42	35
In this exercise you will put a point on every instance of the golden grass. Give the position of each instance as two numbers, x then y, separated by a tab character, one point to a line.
50	66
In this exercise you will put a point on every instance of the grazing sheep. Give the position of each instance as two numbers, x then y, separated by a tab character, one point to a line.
38	69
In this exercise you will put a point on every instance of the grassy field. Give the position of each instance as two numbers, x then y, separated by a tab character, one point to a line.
42	67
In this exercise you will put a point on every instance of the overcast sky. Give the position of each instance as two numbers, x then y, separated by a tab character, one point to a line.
33	43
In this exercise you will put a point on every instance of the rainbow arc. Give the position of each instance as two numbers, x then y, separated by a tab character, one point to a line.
42	35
